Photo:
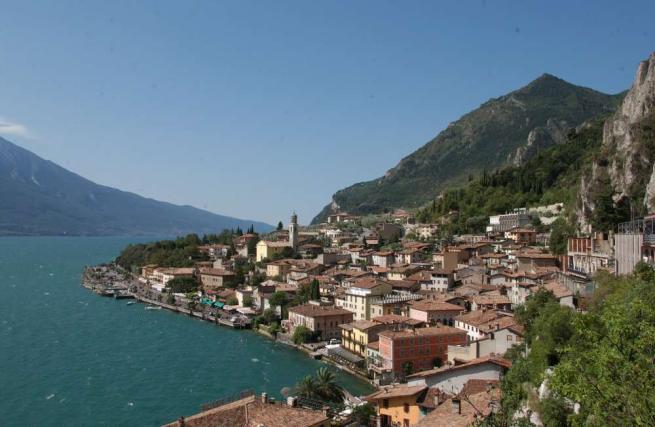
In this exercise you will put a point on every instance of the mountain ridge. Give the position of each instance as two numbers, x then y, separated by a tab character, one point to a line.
504	130
39	197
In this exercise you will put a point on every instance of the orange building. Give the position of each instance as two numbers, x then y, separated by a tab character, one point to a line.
397	405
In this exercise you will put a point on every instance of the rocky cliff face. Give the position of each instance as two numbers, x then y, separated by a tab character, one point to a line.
539	138
626	166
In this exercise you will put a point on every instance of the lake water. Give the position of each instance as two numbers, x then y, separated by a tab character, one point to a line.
69	357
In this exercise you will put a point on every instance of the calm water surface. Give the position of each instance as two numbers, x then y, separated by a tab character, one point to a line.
70	357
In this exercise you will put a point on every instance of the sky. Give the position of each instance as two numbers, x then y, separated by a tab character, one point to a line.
255	109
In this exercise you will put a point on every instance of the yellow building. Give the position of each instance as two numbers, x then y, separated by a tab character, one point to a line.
267	249
361	294
355	336
397	405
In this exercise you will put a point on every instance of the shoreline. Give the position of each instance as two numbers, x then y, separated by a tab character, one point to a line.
100	289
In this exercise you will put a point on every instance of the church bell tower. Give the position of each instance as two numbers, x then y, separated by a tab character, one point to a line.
293	232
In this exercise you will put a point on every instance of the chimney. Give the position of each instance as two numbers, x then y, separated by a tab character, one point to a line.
457	405
292	401
264	397
326	411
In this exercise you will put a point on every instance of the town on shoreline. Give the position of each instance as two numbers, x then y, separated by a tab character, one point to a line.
427	320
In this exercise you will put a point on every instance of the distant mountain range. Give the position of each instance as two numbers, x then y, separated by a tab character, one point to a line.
38	197
503	131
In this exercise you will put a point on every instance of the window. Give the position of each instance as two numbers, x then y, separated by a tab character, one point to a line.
406	408
405	422
385	403
509	338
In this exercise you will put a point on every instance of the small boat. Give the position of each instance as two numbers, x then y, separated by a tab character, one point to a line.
153	307
130	303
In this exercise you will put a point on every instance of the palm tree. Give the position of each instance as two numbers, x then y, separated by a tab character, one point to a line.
306	387
327	387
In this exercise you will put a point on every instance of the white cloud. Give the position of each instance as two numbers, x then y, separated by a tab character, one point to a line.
11	128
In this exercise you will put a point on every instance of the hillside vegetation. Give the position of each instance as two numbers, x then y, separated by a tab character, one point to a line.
601	359
550	176
506	130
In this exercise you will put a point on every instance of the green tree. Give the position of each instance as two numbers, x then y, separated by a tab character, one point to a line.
315	293
252	245
280	226
301	335
327	387
170	298
306	387
645	272
364	414
182	285
278	299
269	316
239	276
608	365
560	232
534	304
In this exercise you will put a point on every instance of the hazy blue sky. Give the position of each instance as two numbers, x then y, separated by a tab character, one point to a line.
254	109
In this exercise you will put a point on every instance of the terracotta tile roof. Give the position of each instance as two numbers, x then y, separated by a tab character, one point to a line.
389	319
421	276
477	385
560	291
476	407
499	323
252	412
407	285
433	398
423	332
375	345
367	283
489	298
286	287
363	325
384	253
396	390
427	305
494	255
478	317
312	310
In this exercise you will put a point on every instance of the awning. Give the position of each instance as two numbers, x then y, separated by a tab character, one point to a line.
345	355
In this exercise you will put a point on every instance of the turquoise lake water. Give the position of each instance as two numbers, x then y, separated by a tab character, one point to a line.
69	357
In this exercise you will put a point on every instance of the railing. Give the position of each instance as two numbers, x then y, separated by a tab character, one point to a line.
228	399
631	227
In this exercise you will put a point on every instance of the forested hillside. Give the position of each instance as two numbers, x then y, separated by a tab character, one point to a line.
551	176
